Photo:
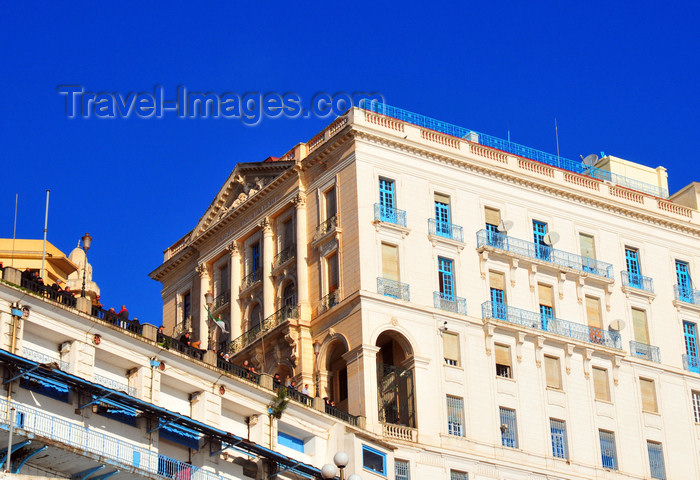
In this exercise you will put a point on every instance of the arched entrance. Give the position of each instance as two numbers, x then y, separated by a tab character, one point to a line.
337	371
395	380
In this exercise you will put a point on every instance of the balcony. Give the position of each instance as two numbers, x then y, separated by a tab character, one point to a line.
393	289
284	256
267	325
687	294
133	326
329	301
544	253
638	281
446	230
326	228
450	303
221	300
43	358
691	363
114	385
644	351
251	279
390	215
577	331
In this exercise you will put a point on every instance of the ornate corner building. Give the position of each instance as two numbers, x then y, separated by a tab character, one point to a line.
458	307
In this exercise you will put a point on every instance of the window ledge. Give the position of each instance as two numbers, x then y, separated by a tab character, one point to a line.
404	231
436	239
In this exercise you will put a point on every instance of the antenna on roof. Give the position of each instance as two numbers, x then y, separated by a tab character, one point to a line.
14	233
504	226
551	238
590	160
556	133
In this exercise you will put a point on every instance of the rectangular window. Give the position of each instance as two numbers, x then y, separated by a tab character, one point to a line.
587	244
683	274
402	470
560	447
552	372
450	345
186	306
546	298
696	406
222	284
595	321
539	230
287	234
648	395
373	460
390	262
601	386
332	269
493	218
445	278
656	460
442	215
691	345
254	257
632	262
607	449
639	323
455	475
330	201
387	201
455	416
497	285
290	441
509	428
503	363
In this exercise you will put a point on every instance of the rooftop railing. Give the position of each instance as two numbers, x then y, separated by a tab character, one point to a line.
450	303
393	289
511	147
171	343
286	254
445	229
543	252
691	363
687	294
558	326
270	323
647	352
295	395
636	280
251	279
382	213
110	317
43	358
48	292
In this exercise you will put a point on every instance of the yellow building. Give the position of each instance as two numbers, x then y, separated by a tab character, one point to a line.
27	254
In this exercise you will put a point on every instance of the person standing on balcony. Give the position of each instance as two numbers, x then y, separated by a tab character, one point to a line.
305	389
123	313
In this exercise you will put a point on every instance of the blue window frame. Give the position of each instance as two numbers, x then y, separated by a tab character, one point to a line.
387	201
607	449
442	219
402	470
691	345
656	460
632	260
290	441
546	314
539	230
373	460
509	428
255	256
559	444
498	303
446	278
685	284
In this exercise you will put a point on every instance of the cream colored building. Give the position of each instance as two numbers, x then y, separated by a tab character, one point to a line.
562	345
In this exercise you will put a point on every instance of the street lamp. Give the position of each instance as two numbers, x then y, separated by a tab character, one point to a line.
209	300
87	240
341	461
317	350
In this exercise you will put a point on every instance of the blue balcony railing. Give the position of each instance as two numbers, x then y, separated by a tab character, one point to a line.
141	461
394	289
565	328
445	229
687	294
450	303
691	363
511	147
386	214
543	252
647	352
636	280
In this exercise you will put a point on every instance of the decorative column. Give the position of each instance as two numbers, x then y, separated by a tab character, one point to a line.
302	271
204	281
362	384
268	283
236	325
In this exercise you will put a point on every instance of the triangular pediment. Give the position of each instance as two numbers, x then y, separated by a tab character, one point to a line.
245	181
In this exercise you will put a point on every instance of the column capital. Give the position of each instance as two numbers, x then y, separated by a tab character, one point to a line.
203	270
299	200
266	225
232	248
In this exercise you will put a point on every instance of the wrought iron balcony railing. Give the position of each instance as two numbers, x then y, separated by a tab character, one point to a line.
382	213
687	294
543	252
394	289
184	326
237	370
222	299
270	323
329	301
647	352
450	303
565	328
43	358
286	254
691	363
251	279
46	291
114	385
636	280
326	227
445	229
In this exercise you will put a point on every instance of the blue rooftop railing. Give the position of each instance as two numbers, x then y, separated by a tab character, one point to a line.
543	252
546	323
512	147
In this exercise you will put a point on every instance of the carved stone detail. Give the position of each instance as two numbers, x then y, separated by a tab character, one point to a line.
299	200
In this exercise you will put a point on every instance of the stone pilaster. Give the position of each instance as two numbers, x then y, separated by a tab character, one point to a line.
362	372
302	269
201	330
236	317
267	280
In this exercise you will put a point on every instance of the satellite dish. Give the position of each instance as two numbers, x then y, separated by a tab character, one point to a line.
504	226
617	325
590	160
551	238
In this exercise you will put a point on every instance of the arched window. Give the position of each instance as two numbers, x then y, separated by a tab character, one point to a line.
289	295
255	317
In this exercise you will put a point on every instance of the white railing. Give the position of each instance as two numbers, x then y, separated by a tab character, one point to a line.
399	432
39	357
114	384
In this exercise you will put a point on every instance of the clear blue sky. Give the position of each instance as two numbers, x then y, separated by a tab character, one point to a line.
618	77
